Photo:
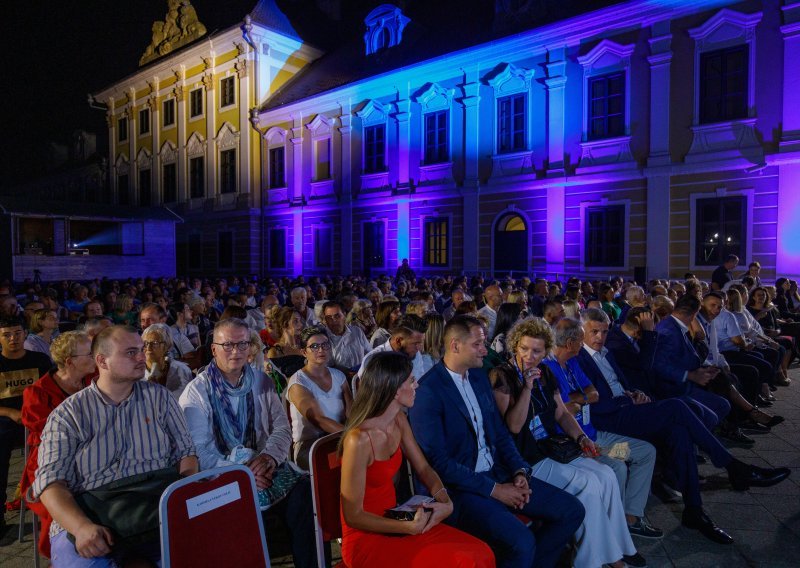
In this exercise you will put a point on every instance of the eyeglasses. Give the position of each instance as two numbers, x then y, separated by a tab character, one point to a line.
228	346
153	344
320	346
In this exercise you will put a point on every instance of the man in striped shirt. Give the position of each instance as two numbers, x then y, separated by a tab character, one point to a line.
118	427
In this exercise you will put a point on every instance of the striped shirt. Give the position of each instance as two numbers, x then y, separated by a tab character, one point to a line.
89	441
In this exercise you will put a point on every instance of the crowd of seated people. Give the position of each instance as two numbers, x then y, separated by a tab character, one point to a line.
515	396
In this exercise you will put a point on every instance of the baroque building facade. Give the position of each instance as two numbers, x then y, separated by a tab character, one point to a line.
646	138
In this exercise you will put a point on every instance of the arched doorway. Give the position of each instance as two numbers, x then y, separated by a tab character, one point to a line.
510	244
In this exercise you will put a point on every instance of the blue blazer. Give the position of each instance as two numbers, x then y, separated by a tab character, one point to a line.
607	403
673	358
636	365
444	430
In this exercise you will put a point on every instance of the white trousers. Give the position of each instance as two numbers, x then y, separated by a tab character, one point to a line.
603	536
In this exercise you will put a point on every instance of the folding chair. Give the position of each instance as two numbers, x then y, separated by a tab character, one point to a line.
212	519
326	475
23	508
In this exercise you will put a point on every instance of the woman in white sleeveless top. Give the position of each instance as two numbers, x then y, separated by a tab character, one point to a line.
319	395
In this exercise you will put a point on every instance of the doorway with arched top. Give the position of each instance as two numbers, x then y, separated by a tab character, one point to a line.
510	244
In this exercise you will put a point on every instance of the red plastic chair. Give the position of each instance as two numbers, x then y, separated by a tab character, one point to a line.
326	476
212	519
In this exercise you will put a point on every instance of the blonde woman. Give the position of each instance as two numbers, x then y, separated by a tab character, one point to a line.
433	346
43	324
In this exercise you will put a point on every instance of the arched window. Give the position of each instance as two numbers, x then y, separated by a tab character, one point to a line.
510	244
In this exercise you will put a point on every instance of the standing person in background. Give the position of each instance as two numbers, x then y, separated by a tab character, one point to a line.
724	273
404	272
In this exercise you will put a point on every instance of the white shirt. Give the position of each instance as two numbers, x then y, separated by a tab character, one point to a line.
273	434
485	461
331	403
416	362
491	317
727	327
599	357
350	348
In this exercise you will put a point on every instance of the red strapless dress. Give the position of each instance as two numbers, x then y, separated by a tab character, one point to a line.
442	546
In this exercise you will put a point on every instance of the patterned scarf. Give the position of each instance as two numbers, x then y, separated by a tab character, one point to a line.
232	430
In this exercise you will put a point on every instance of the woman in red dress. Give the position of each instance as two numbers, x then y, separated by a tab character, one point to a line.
376	436
72	354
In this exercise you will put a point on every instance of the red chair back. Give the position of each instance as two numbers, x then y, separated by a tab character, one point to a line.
326	476
212	519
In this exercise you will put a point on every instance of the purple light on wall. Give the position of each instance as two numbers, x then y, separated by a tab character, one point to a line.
787	261
403	230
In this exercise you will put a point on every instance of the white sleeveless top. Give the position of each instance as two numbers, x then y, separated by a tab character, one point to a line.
331	403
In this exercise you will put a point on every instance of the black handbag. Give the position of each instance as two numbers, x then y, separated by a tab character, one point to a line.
128	507
560	448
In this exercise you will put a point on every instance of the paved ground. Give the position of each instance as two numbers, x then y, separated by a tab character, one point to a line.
764	522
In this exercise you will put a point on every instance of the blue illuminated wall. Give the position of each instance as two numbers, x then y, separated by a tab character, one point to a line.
664	161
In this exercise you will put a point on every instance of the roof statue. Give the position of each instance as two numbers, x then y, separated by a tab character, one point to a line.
180	26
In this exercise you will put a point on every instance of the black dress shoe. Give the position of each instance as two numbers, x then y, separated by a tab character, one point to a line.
700	521
737	436
752	476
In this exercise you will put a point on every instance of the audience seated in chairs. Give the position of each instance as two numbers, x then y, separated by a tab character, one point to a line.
377	436
529	400
231	410
89	453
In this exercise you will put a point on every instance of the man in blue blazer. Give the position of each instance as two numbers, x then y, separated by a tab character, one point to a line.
456	423
668	424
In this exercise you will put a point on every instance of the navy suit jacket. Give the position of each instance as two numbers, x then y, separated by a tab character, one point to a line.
444	430
636	365
673	358
607	404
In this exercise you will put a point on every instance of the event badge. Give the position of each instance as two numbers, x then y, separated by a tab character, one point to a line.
537	428
584	417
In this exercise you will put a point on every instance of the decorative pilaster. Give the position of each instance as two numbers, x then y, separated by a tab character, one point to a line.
660	60
470	101
554	85
345	196
181	117
243	92
401	117
296	179
211	131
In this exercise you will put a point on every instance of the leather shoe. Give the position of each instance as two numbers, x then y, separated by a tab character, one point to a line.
752	476
736	435
760	417
703	523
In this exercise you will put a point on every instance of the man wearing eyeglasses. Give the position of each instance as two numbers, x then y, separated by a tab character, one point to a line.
350	345
230	408
19	368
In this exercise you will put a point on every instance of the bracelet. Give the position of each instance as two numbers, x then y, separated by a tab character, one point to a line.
580	439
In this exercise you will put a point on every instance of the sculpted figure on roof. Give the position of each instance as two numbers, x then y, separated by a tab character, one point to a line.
180	26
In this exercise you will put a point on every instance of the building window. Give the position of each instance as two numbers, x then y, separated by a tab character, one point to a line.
144	122
720	229
723	84
196	103
277	171
227	171
123	190
168	112
607	106
322	149
323	247
375	149
169	181
605	236
436	239
225	249
277	249
373	246
511	120
197	180
122	129
145	183
436	137
227	87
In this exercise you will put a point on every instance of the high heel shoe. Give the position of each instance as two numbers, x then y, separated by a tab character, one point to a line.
760	417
